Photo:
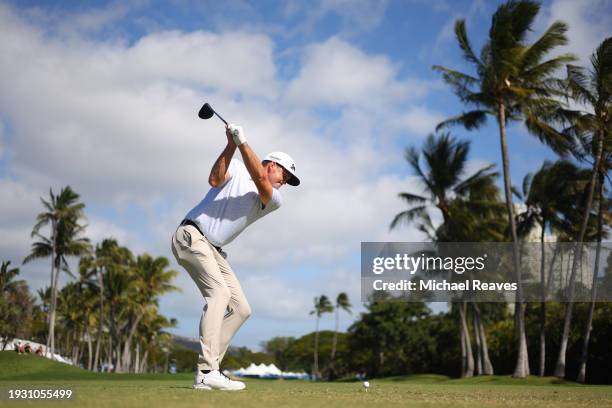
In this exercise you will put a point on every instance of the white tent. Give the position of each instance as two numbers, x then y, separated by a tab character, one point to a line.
267	371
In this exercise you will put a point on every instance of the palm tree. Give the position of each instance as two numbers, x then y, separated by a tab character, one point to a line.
512	82
445	163
106	254
322	305
152	336
548	194
151	279
342	302
89	299
458	199
592	130
11	292
63	213
7	278
117	282
604	212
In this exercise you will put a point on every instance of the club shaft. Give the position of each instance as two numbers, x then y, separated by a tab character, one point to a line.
219	116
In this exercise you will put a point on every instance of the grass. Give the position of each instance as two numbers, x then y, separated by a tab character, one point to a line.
162	390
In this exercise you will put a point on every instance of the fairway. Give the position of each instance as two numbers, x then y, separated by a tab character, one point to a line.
151	391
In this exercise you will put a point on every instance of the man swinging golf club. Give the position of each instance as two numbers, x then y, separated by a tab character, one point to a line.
241	193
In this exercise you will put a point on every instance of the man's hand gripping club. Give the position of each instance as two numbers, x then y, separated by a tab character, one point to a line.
251	161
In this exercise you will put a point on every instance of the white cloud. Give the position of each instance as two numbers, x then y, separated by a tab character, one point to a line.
100	229
354	16
19	203
125	113
118	123
336	73
418	120
589	24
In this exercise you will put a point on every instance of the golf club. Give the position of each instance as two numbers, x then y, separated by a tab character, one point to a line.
206	112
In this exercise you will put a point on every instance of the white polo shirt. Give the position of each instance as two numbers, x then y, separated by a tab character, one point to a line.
228	209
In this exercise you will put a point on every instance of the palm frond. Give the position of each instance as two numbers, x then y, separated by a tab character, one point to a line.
464	43
470	120
553	37
408	216
410	199
412	156
460	82
527	180
475	179
556	140
578	86
535	73
522	15
601	61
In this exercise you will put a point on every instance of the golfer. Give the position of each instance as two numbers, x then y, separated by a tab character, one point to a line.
241	193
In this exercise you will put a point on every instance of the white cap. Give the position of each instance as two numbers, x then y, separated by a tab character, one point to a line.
288	164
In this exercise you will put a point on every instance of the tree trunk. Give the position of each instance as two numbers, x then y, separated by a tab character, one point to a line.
100	320
128	343
137	361
53	308
522	362
48	340
143	364
50	312
478	346
89	350
542	365
487	367
560	367
335	339
315	369
118	365
463	348
584	354
110	352
469	366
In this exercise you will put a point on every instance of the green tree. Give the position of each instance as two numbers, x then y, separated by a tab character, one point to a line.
512	82
63	213
547	194
278	346
117	282
153	339
469	206
342	302
89	299
592	130
107	255
443	177
16	304
382	339
322	305
151	278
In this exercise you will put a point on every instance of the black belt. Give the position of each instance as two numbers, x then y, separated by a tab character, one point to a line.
194	225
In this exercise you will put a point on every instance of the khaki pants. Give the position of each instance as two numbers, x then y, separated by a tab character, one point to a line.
226	306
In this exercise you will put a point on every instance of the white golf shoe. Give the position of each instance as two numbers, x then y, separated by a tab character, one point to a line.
217	381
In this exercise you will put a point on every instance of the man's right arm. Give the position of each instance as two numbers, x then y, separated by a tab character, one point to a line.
218	173
252	163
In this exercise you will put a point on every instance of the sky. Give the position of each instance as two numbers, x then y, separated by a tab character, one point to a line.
103	96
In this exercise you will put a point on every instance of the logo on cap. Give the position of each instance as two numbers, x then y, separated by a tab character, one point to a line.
293	167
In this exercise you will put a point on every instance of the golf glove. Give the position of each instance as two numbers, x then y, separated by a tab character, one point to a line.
237	134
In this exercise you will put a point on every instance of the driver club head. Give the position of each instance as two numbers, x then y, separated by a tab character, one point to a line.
206	112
